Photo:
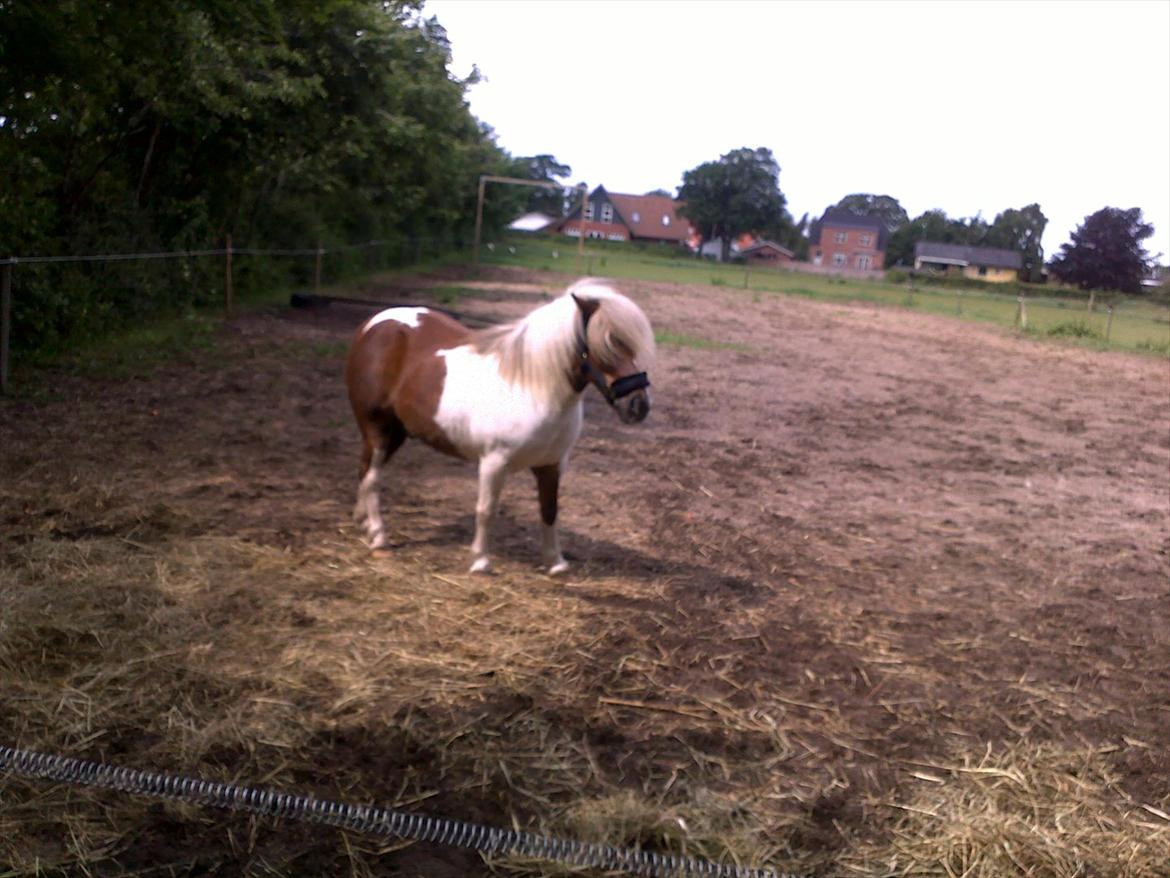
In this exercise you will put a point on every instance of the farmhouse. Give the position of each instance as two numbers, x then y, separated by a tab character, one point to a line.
613	216
840	239
977	263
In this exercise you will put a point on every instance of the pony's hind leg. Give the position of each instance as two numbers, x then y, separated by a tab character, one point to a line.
376	450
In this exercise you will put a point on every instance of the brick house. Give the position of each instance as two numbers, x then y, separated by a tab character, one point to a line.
613	216
840	239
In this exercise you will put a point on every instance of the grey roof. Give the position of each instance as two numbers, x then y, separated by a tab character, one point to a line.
988	257
835	216
766	245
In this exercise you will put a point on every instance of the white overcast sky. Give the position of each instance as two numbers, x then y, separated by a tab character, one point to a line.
965	106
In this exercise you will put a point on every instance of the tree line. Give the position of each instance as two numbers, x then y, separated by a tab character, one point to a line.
138	126
740	193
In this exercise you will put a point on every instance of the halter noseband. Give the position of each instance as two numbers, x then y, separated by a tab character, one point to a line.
621	387
612	392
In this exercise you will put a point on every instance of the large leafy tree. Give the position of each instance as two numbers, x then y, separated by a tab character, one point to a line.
166	126
1020	230
883	207
1105	252
546	169
740	192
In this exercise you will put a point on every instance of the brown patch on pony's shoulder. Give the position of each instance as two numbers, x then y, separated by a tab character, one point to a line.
437	331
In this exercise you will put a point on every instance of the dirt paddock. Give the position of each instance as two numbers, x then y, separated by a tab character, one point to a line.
870	592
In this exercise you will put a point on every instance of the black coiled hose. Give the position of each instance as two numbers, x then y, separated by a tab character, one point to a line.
367	818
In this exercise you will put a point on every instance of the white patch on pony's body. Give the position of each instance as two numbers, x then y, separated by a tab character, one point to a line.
481	413
406	316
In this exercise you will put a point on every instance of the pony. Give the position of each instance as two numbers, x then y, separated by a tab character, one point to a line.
510	396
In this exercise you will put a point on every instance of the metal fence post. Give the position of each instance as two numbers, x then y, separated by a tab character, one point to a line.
5	320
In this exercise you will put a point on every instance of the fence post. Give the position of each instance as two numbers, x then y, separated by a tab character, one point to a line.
581	237
1022	313
317	271
1109	323
959	302
5	319
227	276
479	219
1092	298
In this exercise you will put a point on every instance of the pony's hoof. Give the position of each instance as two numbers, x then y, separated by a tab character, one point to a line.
481	565
379	542
558	568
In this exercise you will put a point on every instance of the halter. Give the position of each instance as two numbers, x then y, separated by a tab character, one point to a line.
621	387
612	392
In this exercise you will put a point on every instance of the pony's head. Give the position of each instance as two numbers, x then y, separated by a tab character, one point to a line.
616	346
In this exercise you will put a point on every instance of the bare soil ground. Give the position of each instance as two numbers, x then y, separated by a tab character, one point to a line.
870	592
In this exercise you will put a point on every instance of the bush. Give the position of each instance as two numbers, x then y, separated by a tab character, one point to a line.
1073	329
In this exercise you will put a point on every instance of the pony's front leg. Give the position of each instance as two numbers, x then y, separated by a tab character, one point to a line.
548	483
492	470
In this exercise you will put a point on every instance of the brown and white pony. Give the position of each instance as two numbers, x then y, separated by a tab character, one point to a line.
509	396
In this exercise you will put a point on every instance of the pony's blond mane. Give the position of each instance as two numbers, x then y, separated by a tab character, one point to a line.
539	352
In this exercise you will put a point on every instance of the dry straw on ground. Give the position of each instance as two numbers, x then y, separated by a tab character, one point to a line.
774	663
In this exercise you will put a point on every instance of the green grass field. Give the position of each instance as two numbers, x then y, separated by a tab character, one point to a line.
1137	325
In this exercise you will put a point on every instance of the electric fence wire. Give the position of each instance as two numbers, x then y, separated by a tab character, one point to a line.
369	818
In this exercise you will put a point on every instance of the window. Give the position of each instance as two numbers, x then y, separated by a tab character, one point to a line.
841	237
863	261
666	219
589	211
636	217
864	240
607	213
838	258
983	271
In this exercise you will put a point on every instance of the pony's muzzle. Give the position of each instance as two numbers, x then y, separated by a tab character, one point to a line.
635	408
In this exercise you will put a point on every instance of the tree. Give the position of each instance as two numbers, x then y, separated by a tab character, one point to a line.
882	207
137	125
547	169
660	192
1020	230
1105	252
738	193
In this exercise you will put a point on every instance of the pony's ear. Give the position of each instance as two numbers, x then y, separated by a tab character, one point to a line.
587	306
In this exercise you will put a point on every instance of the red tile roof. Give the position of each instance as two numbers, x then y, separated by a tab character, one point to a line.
644	215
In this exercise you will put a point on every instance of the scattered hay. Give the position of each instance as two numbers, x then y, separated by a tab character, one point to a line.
1039	811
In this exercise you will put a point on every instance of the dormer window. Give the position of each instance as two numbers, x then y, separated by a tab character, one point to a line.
607	213
666	219
636	217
